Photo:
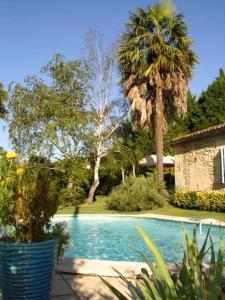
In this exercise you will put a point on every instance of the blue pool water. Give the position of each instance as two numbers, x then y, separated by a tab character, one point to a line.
116	238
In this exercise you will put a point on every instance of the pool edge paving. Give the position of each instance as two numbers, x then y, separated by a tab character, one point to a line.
207	221
105	268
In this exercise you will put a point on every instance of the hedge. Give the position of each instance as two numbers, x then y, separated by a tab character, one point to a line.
205	200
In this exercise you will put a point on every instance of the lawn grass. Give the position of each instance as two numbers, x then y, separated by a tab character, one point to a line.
189	213
99	207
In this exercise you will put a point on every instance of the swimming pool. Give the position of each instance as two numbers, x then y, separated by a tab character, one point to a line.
115	238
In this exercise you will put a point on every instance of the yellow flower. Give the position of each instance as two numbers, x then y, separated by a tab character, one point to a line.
20	171
11	155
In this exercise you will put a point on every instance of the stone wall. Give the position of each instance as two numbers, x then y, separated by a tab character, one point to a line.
197	163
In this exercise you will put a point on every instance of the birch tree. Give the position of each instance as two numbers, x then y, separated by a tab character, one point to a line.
105	114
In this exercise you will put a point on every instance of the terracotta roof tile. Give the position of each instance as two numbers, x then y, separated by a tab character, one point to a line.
200	134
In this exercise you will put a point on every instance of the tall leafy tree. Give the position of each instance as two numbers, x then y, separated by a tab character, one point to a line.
48	117
193	114
3	98
211	104
180	127
156	62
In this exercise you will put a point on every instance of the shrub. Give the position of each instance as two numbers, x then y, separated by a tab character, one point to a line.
205	200
138	194
29	198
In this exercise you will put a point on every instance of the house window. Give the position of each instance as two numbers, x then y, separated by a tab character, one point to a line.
222	157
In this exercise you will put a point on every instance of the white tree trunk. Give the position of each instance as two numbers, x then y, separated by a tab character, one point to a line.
95	183
103	61
133	171
123	175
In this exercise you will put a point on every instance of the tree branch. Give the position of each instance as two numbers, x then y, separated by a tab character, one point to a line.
117	125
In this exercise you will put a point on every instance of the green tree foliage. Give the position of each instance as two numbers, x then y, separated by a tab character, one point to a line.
48	117
179	127
3	98
210	105
75	181
112	178
129	146
132	145
202	112
193	113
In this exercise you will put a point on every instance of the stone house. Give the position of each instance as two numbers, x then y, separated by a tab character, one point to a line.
200	159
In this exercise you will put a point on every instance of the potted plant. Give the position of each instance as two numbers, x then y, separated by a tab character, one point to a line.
29	244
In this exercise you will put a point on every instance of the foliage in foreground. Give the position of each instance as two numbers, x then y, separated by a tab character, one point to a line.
140	193
205	200
29	198
192	283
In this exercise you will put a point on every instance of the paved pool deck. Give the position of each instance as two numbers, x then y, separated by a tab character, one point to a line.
80	278
84	287
94	267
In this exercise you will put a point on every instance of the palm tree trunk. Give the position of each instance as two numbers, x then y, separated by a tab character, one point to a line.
95	183
158	116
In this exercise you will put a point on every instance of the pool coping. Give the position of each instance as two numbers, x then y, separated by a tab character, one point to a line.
105	268
206	221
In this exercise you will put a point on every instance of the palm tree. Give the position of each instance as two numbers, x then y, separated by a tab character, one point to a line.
156	62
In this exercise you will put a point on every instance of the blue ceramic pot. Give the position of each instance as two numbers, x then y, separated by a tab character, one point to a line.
26	269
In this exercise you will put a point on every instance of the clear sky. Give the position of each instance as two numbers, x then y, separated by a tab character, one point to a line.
31	31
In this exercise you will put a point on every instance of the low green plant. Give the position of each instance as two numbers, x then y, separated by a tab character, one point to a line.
58	231
192	283
29	198
136	194
204	200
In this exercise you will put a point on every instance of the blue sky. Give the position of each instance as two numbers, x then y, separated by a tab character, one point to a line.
32	31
